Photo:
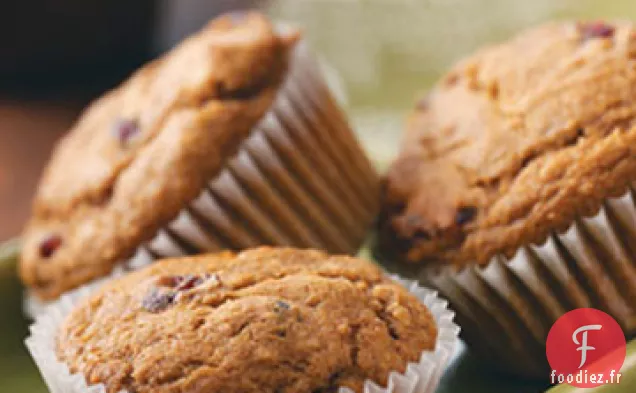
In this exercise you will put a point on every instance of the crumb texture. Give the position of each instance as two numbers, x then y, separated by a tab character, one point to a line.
266	320
515	142
141	152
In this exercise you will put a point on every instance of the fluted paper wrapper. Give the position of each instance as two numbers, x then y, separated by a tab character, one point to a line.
419	377
506	308
300	179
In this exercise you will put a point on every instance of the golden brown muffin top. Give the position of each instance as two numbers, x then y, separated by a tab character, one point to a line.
266	320
143	151
514	143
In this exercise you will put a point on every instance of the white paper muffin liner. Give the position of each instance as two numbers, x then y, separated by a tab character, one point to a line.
300	179
507	307
418	377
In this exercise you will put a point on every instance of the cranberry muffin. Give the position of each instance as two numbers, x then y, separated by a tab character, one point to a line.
264	320
513	191
229	141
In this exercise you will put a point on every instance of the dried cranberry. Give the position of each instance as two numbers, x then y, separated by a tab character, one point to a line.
181	283
49	245
465	215
188	282
125	129
596	30
156	301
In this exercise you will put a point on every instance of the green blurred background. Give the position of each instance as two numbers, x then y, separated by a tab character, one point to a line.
383	53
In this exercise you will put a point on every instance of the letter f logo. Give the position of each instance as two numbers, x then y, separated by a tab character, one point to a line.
583	344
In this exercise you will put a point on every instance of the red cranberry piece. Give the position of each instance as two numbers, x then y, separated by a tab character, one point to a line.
180	283
125	130
188	282
49	245
596	30
465	215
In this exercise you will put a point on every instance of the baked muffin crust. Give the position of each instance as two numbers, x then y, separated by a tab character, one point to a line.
143	151
515	142
265	320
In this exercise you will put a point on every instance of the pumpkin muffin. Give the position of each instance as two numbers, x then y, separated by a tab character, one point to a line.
229	141
513	191
264	320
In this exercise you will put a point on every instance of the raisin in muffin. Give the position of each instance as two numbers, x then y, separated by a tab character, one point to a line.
264	320
229	141
513	191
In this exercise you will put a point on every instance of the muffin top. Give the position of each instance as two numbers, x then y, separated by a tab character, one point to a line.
265	320
140	153
514	143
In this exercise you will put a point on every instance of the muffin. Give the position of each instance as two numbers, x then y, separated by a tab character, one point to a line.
265	320
229	141
513	192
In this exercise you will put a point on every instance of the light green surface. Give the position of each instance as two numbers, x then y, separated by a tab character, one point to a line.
17	371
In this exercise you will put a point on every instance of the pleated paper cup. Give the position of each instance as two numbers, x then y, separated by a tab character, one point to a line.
300	179
419	377
507	307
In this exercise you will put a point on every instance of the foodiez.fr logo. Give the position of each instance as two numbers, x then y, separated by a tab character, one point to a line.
586	348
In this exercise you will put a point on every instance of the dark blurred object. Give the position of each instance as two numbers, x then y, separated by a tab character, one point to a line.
50	43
